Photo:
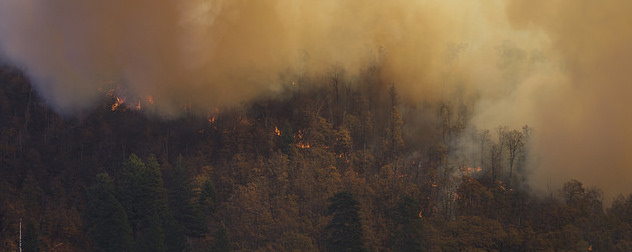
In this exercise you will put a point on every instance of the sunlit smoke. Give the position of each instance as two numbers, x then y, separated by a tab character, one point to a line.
560	66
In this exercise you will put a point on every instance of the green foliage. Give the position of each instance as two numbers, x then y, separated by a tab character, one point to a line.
31	240
105	219
208	197
288	146
143	196
221	241
345	228
271	190
406	230
182	201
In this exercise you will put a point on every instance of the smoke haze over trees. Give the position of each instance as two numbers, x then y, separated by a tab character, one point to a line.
258	112
285	175
560	67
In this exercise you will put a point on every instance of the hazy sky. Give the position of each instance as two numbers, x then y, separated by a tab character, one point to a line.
561	66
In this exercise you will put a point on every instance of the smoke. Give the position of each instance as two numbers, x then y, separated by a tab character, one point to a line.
583	116
559	66
213	52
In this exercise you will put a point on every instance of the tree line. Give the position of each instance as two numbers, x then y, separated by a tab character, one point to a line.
334	163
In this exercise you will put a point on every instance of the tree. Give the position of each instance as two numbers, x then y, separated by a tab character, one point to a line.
31	241
406	233
514	140
208	197
105	219
287	140
484	138
573	191
345	228
184	208
221	241
143	196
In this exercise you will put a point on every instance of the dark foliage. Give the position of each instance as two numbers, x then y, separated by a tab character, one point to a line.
258	177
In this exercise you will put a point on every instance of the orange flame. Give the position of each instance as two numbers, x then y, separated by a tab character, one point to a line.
150	99
303	145
471	170
117	103
277	131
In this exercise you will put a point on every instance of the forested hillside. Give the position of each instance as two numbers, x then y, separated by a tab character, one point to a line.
329	163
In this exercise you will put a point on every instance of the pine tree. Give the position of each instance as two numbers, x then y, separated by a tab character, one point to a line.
105	219
182	201
345	228
406	233
208	197
31	240
288	146
221	241
143	196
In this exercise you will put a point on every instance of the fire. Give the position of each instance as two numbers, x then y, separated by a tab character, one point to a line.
277	131
150	99
303	145
471	170
211	119
117	103
420	213
138	106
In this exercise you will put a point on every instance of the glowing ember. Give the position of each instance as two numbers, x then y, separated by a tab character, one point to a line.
150	99
303	145
117	103
277	131
471	170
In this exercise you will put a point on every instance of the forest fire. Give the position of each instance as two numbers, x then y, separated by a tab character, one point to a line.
300	142
303	145
471	170
117	103
277	131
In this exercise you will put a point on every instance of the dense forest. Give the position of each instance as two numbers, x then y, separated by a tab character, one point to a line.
331	163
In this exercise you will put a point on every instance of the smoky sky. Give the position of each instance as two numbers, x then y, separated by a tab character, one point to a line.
560	66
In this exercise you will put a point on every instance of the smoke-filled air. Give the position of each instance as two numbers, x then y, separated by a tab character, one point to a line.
561	67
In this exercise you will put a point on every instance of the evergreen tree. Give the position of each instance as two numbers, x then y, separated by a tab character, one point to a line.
288	146
143	196
208	197
182	201
31	240
406	233
173	232
221	241
345	228
105	219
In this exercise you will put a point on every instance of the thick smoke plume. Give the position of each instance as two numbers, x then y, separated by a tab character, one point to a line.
584	118
215	52
560	66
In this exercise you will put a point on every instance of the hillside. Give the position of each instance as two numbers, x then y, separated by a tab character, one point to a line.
261	176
